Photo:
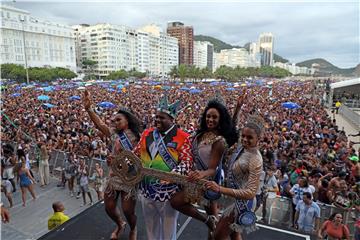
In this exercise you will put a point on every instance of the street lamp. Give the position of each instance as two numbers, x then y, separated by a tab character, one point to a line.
22	20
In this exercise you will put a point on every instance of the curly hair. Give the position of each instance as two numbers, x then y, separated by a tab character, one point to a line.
226	125
133	123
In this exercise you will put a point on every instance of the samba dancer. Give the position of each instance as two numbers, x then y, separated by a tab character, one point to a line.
209	145
243	177
124	136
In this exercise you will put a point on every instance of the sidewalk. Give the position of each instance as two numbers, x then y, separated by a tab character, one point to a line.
30	222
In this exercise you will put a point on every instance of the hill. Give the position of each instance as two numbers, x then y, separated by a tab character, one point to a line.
220	45
328	68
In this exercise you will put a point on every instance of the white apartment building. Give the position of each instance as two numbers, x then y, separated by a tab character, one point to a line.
233	57
113	47
295	70
255	56
266	48
44	43
203	54
157	51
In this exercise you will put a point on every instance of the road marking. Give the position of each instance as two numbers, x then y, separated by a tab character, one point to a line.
307	237
183	227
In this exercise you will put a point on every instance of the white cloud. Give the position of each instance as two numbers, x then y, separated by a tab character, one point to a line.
302	29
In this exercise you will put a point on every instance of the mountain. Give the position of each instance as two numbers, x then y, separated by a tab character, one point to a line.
220	45
326	67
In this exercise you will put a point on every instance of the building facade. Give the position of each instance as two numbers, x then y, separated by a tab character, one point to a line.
233	57
185	36
203	54
113	47
266	49
43	43
158	53
295	70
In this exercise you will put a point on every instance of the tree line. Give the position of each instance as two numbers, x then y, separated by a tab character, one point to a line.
41	74
227	73
18	73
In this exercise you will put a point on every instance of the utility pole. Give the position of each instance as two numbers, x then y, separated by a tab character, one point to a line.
26	65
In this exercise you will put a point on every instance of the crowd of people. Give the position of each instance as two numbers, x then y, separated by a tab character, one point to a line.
305	156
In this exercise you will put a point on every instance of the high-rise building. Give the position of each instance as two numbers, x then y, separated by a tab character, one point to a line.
233	57
266	49
157	51
255	56
43	43
113	47
203	54
185	36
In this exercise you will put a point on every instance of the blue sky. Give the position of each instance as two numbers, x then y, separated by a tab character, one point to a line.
303	29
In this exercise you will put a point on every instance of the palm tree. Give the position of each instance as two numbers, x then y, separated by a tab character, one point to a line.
174	72
183	71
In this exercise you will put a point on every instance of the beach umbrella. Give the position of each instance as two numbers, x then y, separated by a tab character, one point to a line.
166	87
195	91
48	105
158	87
243	85
185	88
106	105
120	86
48	89
81	88
230	89
16	94
137	86
43	98
290	105
72	98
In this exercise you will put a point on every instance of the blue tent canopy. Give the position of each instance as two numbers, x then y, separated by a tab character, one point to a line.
290	105
16	94
185	88
72	98
48	105
195	91
48	89
43	98
106	105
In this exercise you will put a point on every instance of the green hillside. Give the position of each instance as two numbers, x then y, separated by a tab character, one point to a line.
329	68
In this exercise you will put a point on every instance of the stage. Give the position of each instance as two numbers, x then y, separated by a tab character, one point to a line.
94	224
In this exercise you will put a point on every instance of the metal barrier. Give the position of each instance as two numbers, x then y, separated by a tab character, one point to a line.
350	115
280	214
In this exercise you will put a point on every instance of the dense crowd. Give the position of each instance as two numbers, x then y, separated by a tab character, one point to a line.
303	149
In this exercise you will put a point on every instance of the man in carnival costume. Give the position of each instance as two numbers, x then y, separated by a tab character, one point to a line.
166	148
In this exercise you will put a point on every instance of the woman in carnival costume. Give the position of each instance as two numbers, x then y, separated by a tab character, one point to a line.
124	136
209	145
243	176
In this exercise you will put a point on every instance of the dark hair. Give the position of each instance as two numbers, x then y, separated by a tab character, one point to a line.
20	153
307	195
305	181
325	183
226	126
133	123
332	216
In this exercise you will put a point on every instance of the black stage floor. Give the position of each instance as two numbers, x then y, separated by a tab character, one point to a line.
94	224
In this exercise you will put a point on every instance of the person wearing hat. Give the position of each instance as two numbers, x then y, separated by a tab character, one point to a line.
167	148
124	135
355	169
